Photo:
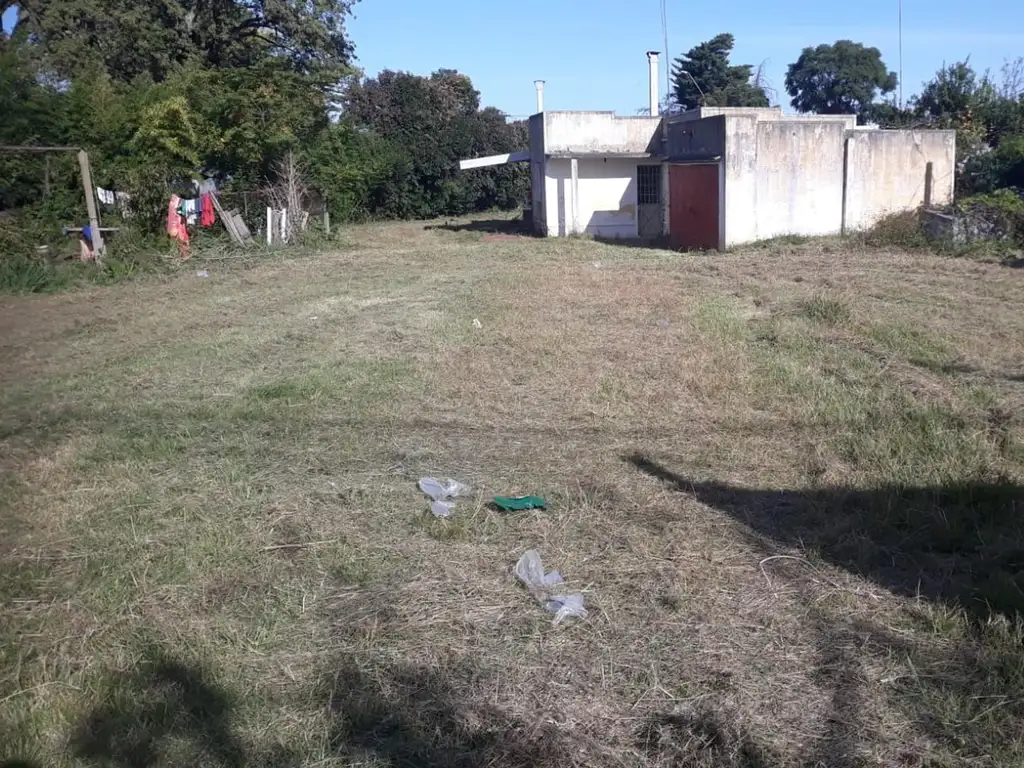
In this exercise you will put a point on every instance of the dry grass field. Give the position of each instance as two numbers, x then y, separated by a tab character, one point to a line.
789	481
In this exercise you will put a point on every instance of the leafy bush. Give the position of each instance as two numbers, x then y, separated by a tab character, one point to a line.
898	230
999	168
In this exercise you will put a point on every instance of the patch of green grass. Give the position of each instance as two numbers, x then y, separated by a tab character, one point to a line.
827	310
722	318
912	344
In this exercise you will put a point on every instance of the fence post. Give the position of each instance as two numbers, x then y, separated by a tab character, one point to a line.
90	205
270	225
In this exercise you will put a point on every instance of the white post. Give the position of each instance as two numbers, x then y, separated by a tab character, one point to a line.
270	225
652	64
284	225
539	84
575	174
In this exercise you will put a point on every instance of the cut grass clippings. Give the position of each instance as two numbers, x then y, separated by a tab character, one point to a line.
787	481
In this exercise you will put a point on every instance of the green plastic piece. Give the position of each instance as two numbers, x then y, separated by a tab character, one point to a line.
516	503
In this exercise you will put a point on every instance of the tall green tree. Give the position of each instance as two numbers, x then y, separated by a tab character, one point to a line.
430	123
130	39
839	79
704	76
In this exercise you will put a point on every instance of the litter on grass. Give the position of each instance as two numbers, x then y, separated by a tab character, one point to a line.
439	491
441	508
530	571
517	503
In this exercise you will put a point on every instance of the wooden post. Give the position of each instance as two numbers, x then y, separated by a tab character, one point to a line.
327	222
928	179
90	205
270	225
245	204
46	176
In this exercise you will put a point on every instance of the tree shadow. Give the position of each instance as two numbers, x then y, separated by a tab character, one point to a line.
962	683
650	243
960	543
407	716
486	226
701	736
165	713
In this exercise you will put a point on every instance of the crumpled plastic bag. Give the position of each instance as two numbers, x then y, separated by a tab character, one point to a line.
439	491
441	508
530	571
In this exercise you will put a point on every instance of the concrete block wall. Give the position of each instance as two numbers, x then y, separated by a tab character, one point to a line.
799	178
821	176
591	132
886	173
691	139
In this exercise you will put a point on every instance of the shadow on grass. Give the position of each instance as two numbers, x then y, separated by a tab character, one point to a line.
701	737
165	713
406	716
652	243
962	548
492	226
962	544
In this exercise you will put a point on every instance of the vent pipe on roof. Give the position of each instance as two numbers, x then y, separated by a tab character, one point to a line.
540	94
652	64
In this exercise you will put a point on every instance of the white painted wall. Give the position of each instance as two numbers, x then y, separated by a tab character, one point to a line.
584	132
799	188
740	193
886	172
607	197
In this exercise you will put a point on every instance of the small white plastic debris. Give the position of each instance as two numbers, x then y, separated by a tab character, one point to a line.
202	273
439	491
597	265
477	323
441	508
530	571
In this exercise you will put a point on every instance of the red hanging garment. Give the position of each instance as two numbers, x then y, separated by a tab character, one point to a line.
207	216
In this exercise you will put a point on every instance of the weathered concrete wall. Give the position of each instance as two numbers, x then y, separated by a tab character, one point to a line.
606	203
886	170
695	139
588	132
538	186
762	113
557	197
782	177
799	178
740	180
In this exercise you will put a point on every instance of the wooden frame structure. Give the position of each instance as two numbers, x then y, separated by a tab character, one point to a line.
90	194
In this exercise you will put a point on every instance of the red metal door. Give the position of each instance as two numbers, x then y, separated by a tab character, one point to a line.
693	206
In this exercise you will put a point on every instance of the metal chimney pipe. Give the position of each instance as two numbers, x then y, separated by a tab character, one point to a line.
652	65
540	94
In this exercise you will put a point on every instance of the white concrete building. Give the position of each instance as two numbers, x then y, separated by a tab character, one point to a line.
717	176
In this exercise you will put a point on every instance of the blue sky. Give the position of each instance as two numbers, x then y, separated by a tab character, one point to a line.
591	52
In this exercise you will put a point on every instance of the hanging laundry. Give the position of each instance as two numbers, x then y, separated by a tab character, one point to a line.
85	244
106	196
177	226
190	210
206	204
